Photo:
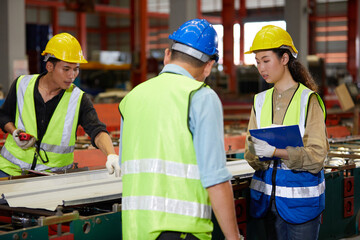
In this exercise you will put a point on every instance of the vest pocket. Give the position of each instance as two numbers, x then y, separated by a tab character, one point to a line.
255	195
259	203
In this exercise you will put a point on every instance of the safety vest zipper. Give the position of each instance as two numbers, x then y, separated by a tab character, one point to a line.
273	178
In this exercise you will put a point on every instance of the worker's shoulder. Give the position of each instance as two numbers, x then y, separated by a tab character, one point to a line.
207	91
205	94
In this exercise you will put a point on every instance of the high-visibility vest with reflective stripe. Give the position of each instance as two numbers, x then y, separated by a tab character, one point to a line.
161	183
299	195
58	143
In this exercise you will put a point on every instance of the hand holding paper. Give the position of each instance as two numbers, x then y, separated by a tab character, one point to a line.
260	148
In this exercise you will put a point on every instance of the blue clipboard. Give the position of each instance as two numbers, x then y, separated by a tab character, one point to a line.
279	137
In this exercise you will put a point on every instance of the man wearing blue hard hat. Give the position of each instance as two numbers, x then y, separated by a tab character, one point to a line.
172	146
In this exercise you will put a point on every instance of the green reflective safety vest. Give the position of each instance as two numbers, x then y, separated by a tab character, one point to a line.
58	142
161	181
296	112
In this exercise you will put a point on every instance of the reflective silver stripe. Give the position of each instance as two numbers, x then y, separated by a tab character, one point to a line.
70	114
23	165
20	98
56	149
289	192
261	186
168	168
191	51
41	167
303	104
167	205
260	99
6	154
301	192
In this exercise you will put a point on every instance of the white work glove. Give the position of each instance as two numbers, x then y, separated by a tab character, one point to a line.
112	164
260	148
23	144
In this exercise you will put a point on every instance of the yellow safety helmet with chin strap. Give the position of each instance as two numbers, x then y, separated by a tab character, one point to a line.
270	37
65	47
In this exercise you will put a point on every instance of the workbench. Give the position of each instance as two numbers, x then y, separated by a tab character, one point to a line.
78	205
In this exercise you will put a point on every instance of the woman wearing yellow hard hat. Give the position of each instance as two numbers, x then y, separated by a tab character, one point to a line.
288	186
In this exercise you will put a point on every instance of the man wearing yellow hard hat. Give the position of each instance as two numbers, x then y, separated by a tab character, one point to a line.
42	112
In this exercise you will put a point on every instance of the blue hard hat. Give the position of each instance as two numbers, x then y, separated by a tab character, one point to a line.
198	34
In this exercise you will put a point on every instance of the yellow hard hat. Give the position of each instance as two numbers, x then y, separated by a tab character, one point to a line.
65	47
270	37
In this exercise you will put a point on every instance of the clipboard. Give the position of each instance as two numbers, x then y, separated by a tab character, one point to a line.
279	137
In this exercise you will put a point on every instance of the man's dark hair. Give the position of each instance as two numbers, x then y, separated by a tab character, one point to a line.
176	55
53	60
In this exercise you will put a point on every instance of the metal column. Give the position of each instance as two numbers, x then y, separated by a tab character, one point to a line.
12	38
242	15
182	11
199	12
353	38
312	27
104	32
55	20
81	31
296	17
139	40
228	16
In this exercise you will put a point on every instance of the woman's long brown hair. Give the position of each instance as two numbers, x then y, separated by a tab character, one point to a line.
298	72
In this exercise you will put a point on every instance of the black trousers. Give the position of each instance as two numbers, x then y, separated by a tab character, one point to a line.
176	236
